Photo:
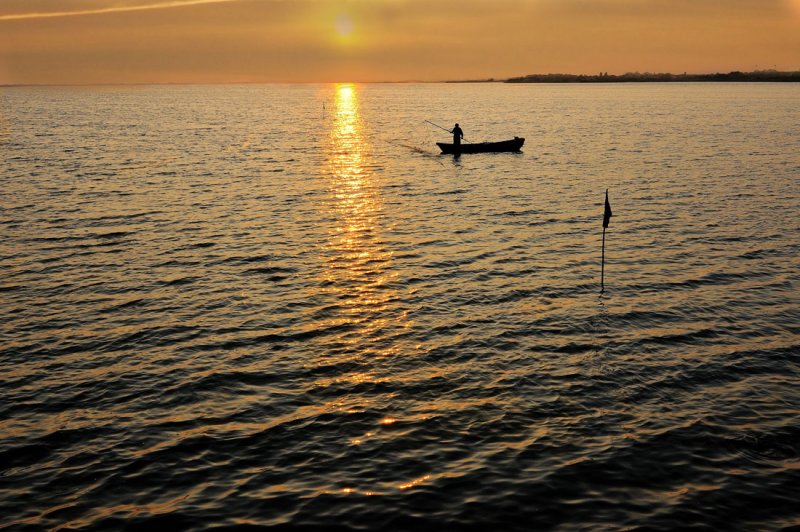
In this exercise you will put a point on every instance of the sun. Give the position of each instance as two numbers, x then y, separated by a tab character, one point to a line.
344	25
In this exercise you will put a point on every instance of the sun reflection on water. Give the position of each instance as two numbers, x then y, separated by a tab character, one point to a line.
358	273
358	263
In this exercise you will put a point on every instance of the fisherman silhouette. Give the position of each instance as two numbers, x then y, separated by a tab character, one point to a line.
458	134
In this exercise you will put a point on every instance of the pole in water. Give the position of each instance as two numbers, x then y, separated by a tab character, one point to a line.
603	264
606	217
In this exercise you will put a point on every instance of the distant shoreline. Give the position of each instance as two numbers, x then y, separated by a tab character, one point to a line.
648	77
604	77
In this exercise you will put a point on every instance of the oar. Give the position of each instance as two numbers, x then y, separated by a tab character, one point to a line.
448	130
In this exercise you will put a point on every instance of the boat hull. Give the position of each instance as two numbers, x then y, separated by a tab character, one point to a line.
483	147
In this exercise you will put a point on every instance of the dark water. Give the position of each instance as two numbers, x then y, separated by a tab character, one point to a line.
279	306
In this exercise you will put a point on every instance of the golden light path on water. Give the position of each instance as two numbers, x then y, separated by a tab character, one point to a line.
358	263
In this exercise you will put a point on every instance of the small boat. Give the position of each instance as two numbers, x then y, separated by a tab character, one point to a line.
483	147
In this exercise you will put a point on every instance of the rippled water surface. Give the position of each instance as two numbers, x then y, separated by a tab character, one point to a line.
280	306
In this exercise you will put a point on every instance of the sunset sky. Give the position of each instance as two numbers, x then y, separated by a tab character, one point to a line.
140	41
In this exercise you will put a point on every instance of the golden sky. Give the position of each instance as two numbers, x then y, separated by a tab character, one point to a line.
140	41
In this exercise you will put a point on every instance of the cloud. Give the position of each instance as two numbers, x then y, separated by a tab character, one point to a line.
114	9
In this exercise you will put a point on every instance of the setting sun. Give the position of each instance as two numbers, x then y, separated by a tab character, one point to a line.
344	25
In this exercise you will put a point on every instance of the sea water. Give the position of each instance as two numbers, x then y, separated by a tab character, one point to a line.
279	305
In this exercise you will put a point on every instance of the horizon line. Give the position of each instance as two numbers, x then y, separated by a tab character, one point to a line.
329	82
151	83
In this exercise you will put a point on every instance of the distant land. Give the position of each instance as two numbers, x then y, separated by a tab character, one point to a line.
638	77
602	77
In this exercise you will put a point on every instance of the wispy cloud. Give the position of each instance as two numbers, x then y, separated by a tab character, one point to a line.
112	9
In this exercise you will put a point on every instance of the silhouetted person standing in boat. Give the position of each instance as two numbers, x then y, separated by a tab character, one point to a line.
458	134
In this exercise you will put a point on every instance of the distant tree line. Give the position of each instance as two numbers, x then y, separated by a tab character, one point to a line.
604	77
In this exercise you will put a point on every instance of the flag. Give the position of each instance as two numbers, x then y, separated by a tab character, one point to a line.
607	213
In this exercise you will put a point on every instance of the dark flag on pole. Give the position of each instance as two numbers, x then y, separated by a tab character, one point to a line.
606	217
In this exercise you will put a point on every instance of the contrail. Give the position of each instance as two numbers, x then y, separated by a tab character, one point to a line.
117	9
